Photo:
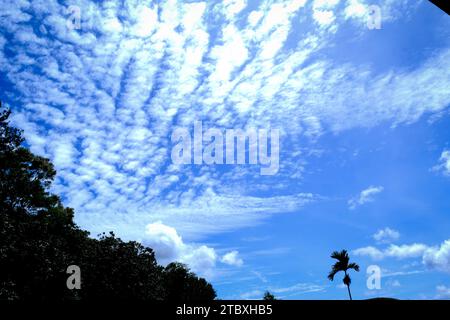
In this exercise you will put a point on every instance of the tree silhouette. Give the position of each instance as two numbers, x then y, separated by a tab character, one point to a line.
268	296
342	264
183	285
39	240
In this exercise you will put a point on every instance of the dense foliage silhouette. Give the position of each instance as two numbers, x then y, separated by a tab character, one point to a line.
268	296
39	240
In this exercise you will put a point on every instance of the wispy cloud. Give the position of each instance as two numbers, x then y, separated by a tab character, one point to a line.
365	196
287	292
444	163
443	292
271	251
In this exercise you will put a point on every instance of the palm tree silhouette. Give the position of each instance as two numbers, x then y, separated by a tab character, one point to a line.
342	264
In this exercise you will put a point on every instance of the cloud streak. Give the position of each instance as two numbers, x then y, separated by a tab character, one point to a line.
365	196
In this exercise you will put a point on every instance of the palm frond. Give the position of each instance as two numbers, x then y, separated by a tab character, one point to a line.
332	274
335	255
340	255
353	266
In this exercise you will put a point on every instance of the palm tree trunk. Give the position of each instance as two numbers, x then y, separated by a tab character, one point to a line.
349	293
348	288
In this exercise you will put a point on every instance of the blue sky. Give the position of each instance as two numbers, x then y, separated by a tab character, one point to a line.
363	114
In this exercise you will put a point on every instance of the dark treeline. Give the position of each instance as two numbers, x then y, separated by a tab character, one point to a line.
39	240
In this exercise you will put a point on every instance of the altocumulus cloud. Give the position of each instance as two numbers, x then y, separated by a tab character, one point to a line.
102	100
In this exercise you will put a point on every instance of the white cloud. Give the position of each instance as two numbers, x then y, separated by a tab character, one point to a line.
260	276
272	251
406	251
146	22
433	257
393	251
394	283
323	17
232	259
233	7
299	288
365	196
443	292
169	247
325	4
387	273
165	241
280	292
86	97
252	295
372	252
438	257
200	259
444	163
386	235
194	216
356	9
